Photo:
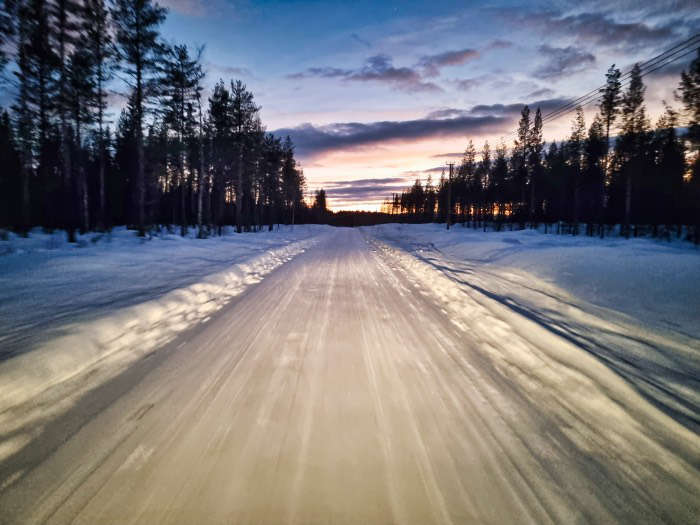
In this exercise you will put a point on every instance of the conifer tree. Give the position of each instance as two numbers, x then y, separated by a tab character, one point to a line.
576	147
534	160
632	141
136	26
98	43
520	153
609	107
181	88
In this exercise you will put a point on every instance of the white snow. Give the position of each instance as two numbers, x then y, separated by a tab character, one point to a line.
73	316
634	304
382	376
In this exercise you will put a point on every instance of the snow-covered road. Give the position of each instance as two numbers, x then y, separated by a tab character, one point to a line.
348	387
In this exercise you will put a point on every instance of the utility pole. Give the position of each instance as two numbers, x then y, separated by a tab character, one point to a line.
449	195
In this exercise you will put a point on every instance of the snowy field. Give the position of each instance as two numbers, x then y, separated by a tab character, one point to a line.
74	315
634	304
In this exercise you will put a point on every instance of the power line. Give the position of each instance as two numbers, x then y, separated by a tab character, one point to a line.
599	97
649	63
673	54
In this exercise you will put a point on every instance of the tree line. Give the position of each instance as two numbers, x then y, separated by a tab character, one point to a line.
618	170
170	158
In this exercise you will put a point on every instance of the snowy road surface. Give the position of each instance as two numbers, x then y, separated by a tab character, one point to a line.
343	389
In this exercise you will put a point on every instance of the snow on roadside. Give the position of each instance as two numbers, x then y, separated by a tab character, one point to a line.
44	380
591	413
634	305
653	281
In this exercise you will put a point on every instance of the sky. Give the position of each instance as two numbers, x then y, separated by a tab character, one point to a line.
375	94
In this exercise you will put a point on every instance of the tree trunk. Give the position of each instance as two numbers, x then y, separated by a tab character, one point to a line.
628	202
239	193
25	218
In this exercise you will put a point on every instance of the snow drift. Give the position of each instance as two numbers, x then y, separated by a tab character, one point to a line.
39	382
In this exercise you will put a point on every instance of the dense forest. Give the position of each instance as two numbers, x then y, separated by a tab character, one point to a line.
172	158
168	158
617	171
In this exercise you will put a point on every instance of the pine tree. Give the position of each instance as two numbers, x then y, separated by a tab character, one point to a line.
292	179
136	26
534	160
181	88
35	72
690	96
320	206
575	147
484	170
221	129
594	173
244	114
609	106
10	175
80	94
96	30
520	153
665	193
8	18
499	181
631	143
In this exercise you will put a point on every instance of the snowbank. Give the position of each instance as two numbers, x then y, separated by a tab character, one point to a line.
654	281
95	308
634	305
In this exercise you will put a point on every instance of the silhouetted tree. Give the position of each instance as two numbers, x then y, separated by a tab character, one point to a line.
136	23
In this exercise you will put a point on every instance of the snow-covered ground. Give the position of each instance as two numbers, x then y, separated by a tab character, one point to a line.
634	304
375	379
74	315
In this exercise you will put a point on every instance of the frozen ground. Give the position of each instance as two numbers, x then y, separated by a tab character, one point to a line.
380	376
634	304
74	316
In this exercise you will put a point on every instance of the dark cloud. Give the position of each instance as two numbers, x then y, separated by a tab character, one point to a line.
563	61
451	155
311	139
364	189
543	92
515	109
361	182
431	64
323	72
594	27
481	119
446	113
378	68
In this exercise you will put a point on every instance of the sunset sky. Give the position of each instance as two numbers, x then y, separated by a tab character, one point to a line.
375	94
